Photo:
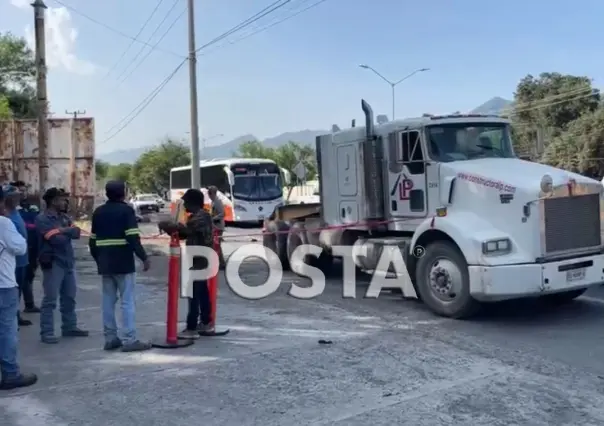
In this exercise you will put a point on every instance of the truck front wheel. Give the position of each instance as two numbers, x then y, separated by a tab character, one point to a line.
443	281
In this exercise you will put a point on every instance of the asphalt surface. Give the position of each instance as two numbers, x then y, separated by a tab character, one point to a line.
382	361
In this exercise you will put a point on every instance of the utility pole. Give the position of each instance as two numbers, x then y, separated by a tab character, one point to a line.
75	114
40	37
195	175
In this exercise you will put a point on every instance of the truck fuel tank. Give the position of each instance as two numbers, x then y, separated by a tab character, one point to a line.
368	251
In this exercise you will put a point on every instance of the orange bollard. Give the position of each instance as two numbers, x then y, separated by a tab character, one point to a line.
172	340
213	292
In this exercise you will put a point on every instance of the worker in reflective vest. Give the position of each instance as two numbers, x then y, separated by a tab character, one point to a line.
114	242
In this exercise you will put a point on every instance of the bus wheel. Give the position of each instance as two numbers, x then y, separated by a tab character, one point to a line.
443	281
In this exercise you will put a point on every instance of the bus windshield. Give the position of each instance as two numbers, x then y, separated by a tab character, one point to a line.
257	182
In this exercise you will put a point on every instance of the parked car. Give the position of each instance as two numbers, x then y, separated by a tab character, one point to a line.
160	201
144	204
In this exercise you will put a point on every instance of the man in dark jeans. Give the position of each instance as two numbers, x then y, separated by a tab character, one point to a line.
197	232
29	212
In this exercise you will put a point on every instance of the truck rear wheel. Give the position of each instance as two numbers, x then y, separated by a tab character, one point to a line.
443	281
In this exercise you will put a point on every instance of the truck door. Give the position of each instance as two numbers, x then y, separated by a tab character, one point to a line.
408	185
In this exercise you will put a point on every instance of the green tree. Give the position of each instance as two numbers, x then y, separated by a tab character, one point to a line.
5	112
100	169
120	172
580	148
17	69
549	104
151	172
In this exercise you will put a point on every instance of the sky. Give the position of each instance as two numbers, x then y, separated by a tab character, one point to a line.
303	72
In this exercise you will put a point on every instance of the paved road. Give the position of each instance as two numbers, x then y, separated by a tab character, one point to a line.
390	362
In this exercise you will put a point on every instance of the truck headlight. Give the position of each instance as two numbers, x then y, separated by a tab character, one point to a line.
239	208
547	184
496	247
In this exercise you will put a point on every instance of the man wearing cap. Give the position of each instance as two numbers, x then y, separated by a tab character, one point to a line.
12	197
57	262
29	212
114	242
12	244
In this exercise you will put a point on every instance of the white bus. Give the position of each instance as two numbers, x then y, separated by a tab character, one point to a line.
249	188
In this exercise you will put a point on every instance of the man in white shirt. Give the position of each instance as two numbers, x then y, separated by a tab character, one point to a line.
12	244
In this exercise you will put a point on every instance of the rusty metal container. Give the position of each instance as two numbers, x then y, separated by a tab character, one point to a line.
71	153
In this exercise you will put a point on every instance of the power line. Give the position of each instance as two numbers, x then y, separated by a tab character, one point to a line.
143	105
287	18
121	78
116	31
264	12
135	37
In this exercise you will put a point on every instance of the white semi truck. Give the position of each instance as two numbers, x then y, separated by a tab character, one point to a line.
489	225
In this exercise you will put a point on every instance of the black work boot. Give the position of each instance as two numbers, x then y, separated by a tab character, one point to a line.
21	381
136	346
75	332
50	339
112	344
23	322
33	309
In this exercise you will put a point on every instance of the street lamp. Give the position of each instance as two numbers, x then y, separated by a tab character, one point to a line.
393	84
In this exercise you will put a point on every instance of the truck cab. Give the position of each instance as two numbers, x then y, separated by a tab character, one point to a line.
474	222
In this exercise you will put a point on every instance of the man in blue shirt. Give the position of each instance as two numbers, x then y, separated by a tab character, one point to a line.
29	212
57	262
12	200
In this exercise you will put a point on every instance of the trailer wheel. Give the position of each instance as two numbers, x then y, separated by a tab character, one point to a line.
443	281
563	298
276	236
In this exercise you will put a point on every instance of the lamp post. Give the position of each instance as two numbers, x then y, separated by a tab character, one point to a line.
393	84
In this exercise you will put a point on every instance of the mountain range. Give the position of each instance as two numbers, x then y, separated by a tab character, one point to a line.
494	106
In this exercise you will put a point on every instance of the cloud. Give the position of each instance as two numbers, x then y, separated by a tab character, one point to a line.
61	37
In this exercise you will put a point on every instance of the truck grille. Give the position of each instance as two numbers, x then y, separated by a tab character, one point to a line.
572	222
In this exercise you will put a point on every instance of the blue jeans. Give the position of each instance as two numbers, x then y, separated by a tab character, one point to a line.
121	286
9	305
59	284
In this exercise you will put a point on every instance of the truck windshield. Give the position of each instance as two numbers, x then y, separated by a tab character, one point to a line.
469	141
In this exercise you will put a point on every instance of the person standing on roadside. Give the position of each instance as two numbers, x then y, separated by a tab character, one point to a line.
217	211
197	232
12	198
57	262
29	212
12	244
114	242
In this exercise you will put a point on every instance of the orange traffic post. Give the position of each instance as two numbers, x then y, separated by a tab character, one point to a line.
213	292
172	341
